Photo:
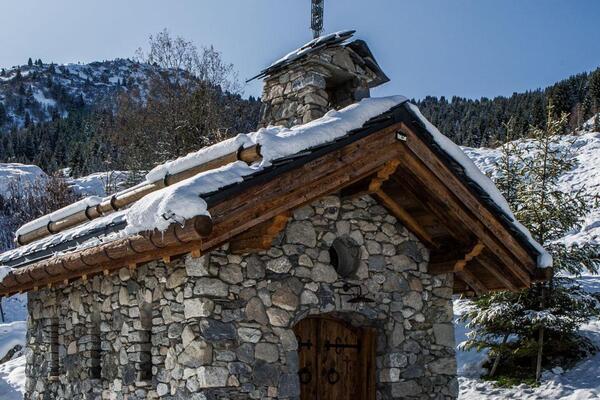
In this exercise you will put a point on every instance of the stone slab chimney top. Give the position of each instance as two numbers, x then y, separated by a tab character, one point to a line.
329	72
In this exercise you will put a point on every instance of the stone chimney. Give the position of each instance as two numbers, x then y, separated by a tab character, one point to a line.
326	73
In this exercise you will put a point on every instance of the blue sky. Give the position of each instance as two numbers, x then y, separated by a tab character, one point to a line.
467	48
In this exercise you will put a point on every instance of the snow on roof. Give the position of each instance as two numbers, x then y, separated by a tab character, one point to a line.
475	174
313	44
57	215
307	48
183	200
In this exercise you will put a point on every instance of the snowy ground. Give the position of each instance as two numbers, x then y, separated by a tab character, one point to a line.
12	373
582	381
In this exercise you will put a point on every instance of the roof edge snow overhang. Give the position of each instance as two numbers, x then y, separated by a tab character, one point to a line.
297	180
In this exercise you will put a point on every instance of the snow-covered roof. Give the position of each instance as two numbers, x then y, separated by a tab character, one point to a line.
181	201
340	38
188	199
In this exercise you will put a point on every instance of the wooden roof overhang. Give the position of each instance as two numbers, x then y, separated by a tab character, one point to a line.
392	157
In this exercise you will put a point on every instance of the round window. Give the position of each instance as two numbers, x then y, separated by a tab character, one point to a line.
344	255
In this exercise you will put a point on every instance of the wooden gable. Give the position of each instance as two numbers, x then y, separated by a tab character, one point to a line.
388	159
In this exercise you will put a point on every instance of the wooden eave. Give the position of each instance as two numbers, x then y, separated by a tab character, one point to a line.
387	158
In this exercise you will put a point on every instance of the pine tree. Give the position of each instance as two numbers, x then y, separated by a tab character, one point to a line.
30	62
541	321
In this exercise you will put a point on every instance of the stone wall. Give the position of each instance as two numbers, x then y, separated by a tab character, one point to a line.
306	90
221	326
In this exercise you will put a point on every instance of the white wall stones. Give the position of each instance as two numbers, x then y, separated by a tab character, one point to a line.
221	326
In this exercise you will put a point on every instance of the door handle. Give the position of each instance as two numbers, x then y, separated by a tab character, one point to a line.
305	375
333	376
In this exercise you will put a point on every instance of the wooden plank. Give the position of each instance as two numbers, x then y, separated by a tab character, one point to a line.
502	276
437	188
447	177
406	219
261	236
474	283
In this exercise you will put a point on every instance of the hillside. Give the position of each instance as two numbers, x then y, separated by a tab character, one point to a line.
66	116
580	382
478	122
41	92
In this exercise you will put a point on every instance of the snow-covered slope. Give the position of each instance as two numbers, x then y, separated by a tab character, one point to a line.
22	174
585	174
40	91
582	381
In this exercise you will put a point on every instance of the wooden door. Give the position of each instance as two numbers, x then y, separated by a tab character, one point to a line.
337	361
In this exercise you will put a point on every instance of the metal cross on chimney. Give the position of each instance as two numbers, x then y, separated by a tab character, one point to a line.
317	17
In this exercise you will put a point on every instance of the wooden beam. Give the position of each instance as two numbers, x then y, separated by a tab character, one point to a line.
435	165
383	175
502	276
261	236
455	264
467	217
405	218
474	283
410	187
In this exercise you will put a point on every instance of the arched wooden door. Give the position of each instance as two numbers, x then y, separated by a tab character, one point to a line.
337	360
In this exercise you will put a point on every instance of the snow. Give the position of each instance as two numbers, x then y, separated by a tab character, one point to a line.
580	382
12	372
306	48
583	380
585	174
12	334
182	200
21	174
476	175
39	96
469	362
64	236
99	183
76	207
12	379
278	142
199	157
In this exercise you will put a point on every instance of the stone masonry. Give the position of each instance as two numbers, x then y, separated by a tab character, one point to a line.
221	326
306	90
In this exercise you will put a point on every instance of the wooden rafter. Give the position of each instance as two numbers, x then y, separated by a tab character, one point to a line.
261	236
502	276
472	280
483	216
440	190
405	218
453	263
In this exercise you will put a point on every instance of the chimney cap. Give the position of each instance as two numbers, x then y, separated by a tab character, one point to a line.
308	48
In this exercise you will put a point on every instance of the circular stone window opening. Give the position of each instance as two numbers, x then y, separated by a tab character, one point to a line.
344	255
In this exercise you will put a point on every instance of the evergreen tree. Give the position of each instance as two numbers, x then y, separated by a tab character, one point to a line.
547	315
30	62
